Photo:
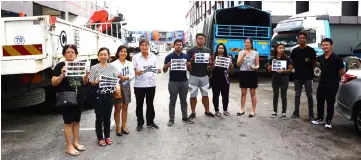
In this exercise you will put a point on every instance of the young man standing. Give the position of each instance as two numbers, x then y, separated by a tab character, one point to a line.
178	81
332	69
198	77
144	84
303	60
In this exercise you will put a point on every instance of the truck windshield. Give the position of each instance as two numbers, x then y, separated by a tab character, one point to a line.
289	39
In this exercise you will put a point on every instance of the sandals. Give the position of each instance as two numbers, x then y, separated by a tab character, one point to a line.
73	152
241	113
108	141
102	143
124	131
252	114
79	147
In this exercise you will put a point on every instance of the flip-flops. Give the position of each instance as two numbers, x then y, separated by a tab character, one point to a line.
73	153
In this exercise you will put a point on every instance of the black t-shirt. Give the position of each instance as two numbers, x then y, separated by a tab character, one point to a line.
330	69
199	69
220	76
68	83
302	60
283	58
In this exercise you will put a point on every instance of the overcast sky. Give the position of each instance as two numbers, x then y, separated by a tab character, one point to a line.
153	14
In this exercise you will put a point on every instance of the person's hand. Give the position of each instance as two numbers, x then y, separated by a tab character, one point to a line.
138	72
168	64
96	81
63	71
269	68
159	71
280	71
124	78
193	58
230	59
253	67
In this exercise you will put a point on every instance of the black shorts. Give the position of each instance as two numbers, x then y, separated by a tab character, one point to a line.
248	79
71	114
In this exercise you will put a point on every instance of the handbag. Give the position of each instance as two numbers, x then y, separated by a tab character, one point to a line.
118	92
66	98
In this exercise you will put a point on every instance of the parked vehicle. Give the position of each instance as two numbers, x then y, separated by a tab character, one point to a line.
222	26
348	98
32	46
317	28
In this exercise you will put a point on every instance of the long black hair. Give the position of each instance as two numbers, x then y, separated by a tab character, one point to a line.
225	50
119	49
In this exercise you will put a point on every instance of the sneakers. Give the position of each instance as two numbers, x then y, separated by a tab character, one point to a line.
170	122
153	125
328	125
295	115
317	121
284	116
273	115
187	120
139	127
218	114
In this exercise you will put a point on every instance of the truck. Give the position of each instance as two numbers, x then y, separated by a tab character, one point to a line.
222	26
32	46
317	27
132	42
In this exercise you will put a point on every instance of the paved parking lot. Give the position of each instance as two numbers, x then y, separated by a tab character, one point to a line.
37	133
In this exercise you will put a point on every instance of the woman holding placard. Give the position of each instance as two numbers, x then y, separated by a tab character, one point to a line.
126	74
67	96
219	80
280	66
103	76
248	61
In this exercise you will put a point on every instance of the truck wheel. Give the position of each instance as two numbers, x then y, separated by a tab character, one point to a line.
317	72
357	119
353	63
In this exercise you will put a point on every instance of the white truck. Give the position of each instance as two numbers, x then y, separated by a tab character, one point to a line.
346	38
32	46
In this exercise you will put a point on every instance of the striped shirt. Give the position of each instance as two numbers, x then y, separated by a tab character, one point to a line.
96	71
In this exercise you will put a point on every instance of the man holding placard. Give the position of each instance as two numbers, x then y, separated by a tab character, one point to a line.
201	63
145	66
178	63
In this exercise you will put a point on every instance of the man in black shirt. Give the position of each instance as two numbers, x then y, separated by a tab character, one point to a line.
198	77
303	60
332	69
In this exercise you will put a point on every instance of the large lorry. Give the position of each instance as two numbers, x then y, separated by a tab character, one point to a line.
232	26
132	42
32	46
317	27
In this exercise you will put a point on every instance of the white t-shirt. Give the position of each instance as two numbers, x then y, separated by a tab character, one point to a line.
125	69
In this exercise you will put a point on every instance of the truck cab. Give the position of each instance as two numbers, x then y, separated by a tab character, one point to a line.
317	28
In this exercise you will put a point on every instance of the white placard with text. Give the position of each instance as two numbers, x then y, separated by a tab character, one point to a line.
202	57
222	61
178	65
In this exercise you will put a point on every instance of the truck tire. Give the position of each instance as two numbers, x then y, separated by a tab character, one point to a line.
357	118
353	63
317	72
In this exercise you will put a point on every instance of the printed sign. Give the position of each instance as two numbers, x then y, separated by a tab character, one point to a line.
105	81
75	69
202	58
279	65
19	40
222	62
150	68
178	65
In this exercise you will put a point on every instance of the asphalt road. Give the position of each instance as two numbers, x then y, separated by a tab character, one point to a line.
37	133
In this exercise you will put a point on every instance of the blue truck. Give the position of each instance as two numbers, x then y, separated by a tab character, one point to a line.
232	26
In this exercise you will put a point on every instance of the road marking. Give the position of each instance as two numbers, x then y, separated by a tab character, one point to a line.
12	131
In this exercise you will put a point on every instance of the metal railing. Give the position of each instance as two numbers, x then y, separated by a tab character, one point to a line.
110	28
242	31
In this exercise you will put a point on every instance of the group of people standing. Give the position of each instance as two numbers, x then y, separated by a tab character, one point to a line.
203	76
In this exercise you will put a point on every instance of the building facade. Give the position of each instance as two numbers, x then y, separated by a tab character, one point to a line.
77	12
341	12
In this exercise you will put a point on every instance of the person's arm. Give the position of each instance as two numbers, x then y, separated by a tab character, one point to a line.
240	58
293	58
313	58
166	63
58	75
86	78
135	65
341	67
289	66
257	62
269	65
211	61
231	67
191	55
156	64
